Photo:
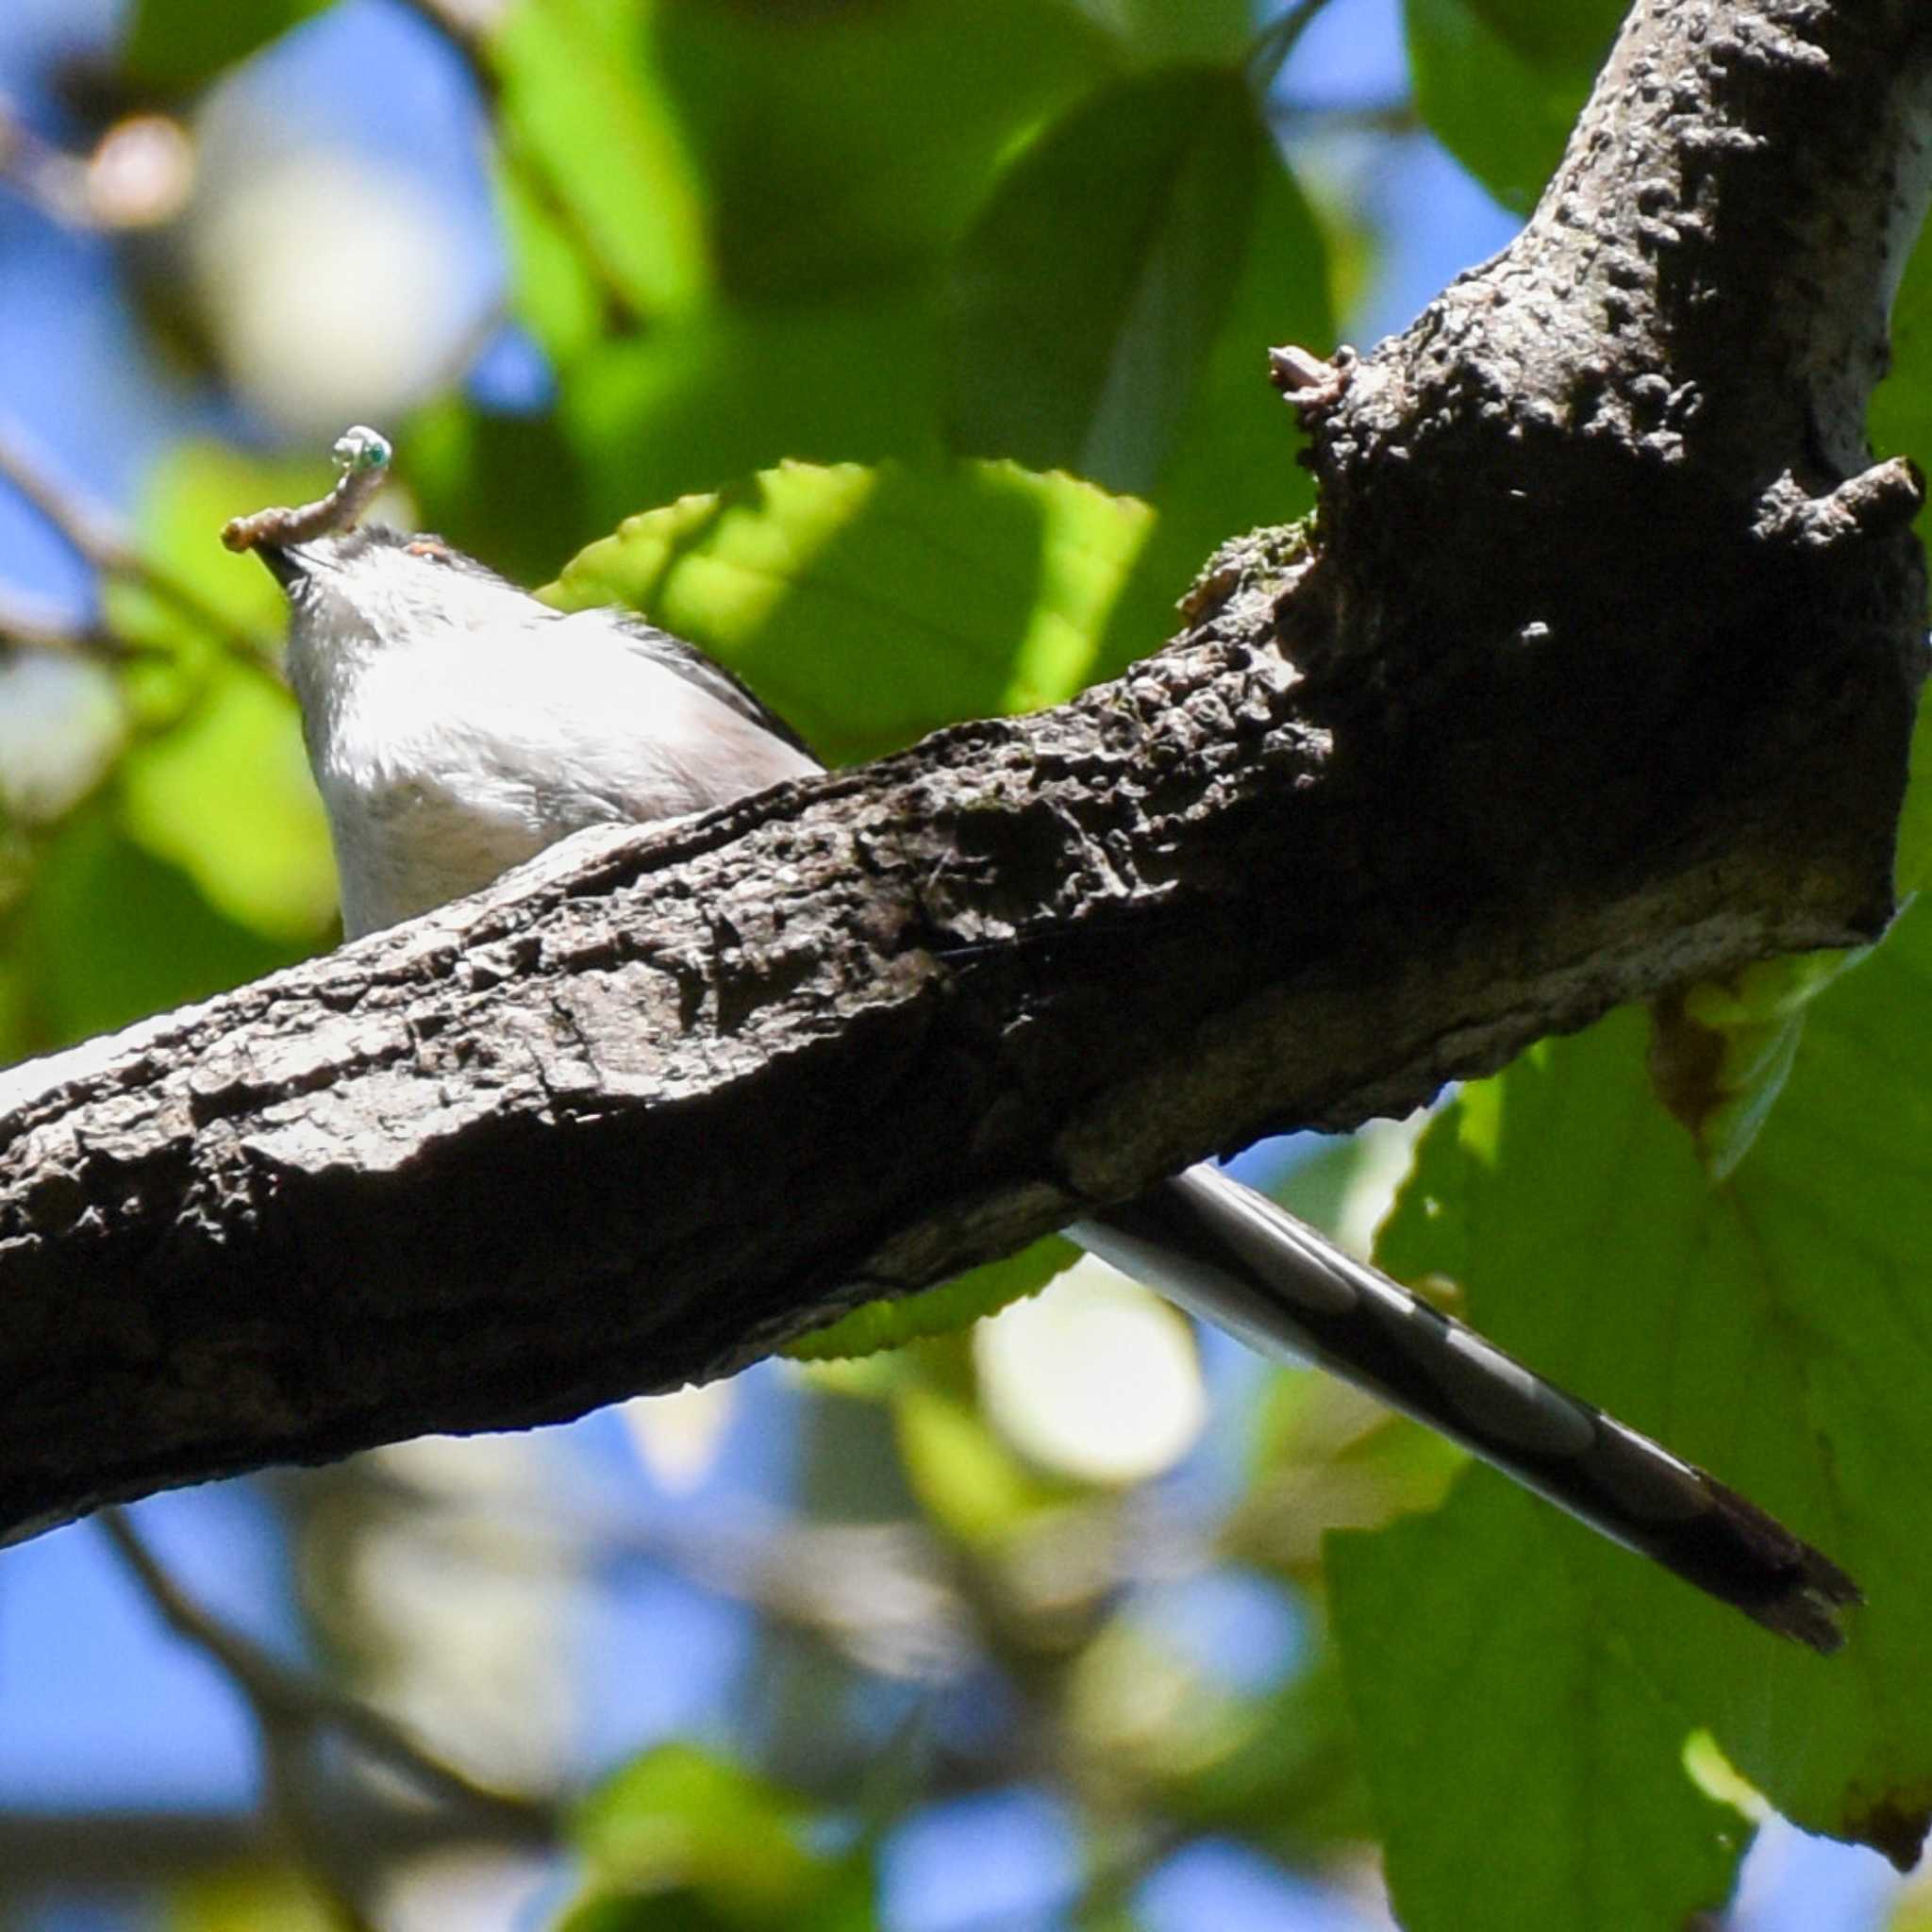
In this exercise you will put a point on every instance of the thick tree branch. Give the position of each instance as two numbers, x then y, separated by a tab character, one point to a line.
1597	677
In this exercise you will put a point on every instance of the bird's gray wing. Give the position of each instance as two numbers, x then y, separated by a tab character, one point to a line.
691	663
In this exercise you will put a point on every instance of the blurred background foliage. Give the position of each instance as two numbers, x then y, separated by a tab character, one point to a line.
909	354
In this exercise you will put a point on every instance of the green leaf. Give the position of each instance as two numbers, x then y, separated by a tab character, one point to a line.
226	794
510	489
684	1839
591	134
943	1310
185	44
717	395
682	156
1912	870
1084	385
20	1034
1768	1329
1092	290
965	1478
1293	1782
845	148
185	500
107	934
1555	34
1501	90
1900	416
219	785
1749	1027
1169	31
554	290
1233	467
1235	451
870	605
679	1910
246	1898
676	1812
1504	1731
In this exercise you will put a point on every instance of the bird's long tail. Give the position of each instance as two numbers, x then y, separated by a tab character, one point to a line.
1236	1259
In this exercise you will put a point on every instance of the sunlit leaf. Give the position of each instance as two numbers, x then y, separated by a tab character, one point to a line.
677	1812
943	1310
226	794
869	606
219	786
230	601
585	111
684	1839
553	283
970	1482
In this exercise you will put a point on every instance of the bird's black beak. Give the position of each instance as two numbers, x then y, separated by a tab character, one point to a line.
286	563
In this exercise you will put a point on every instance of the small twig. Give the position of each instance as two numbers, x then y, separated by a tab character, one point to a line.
877	1594
140	174
286	1701
98	537
1390	117
92	530
32	624
1269	51
46	176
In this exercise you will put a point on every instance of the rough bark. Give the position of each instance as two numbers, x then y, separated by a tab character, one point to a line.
1596	677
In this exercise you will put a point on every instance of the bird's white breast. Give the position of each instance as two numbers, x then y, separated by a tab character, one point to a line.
447	762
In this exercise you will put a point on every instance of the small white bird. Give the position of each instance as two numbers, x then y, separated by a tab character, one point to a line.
457	726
